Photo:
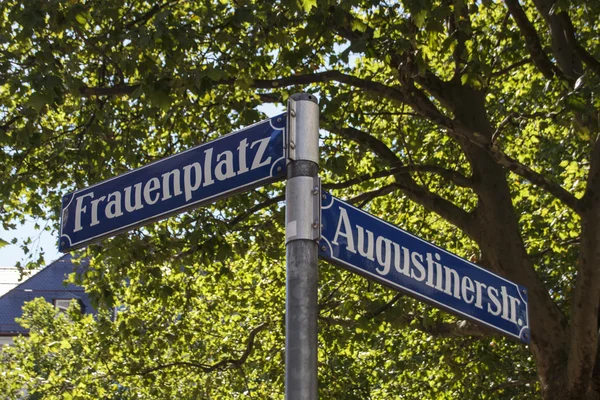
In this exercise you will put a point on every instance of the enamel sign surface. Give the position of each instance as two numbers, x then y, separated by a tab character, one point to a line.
232	164
371	247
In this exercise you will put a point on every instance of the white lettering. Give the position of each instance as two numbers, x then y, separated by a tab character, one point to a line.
478	297
115	204
494	299
79	210
176	184
417	260
405	259
151	186
188	187
505	309
242	156
384	258
208	180
347	231
425	267
257	163
361	243
513	308
94	204
467	290
452	280
220	173
138	198
430	273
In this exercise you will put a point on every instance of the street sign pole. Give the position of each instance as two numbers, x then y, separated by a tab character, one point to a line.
303	202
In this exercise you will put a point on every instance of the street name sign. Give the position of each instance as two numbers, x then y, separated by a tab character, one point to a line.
234	163
369	246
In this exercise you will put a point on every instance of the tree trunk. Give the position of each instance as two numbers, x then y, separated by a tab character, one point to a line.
501	244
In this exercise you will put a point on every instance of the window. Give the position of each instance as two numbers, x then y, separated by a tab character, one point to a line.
63	304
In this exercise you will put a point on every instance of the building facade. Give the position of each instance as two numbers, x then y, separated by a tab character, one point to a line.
48	283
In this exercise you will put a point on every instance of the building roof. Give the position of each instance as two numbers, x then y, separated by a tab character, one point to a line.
47	283
10	277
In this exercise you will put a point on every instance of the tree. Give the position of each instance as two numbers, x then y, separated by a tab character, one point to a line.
472	124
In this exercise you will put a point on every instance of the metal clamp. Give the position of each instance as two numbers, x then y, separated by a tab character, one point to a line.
302	118
303	220
290	131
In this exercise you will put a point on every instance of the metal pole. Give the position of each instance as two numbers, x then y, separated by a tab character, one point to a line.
302	226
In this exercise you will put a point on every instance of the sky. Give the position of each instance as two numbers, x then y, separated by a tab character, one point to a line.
42	240
47	241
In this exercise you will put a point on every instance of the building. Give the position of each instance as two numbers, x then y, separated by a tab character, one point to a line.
47	283
10	277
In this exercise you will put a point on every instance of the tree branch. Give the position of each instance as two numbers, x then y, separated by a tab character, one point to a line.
592	189
148	14
404	181
536	178
549	249
420	103
380	149
100	52
319	77
596	372
385	307
460	25
325	76
501	126
585	56
446	209
267	203
116	90
223	364
453	329
412	96
456	329
366	197
509	68
584	309
512	384
453	176
359	179
6	126
364	139
532	41
522	170
270	97
586	298
565	56
404	64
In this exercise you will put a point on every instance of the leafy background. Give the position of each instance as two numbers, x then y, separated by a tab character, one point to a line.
463	122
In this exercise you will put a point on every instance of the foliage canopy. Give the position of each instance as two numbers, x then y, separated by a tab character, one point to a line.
473	124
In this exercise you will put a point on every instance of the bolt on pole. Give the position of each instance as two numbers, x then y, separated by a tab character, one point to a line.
303	228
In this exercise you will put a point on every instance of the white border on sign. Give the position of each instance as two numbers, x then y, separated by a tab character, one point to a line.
381	278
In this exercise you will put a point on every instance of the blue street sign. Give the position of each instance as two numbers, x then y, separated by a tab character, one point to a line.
369	246
234	163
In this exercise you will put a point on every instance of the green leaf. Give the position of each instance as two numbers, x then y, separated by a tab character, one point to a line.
3	243
160	99
214	74
37	101
358	25
196	284
81	18
307	5
420	17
